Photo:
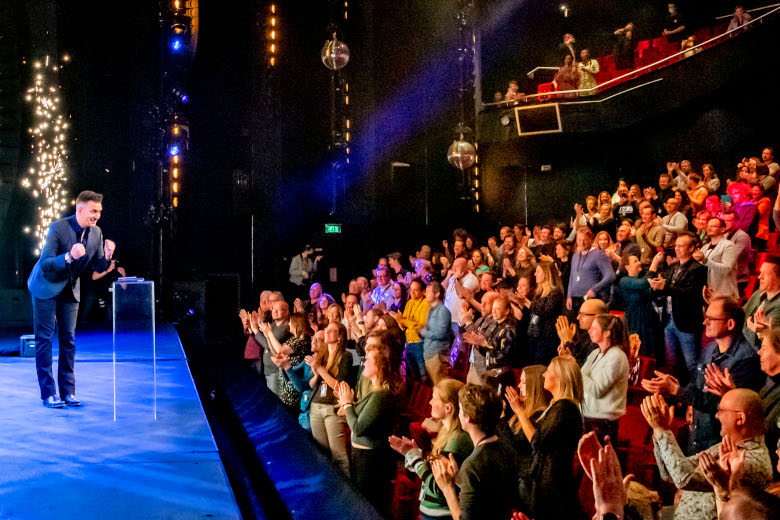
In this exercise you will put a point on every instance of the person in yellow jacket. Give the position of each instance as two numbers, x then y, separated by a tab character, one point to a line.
411	321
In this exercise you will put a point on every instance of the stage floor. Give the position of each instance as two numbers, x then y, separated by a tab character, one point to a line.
79	463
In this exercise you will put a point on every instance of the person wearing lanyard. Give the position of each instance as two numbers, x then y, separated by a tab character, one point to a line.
681	285
591	272
720	257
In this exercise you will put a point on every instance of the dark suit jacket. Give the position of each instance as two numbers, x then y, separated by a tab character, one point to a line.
51	274
685	290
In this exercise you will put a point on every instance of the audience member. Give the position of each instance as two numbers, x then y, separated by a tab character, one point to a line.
720	257
765	300
588	68
436	333
487	478
552	488
544	310
371	419
637	297
574	339
681	286
591	272
741	417
674	25
567	78
624	47
329	367
739	19
729	351
742	243
450	440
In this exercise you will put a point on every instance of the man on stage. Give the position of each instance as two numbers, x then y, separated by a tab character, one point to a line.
71	244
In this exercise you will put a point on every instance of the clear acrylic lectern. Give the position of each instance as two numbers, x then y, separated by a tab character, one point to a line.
134	338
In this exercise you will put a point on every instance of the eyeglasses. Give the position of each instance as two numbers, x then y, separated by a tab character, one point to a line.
712	318
586	314
721	410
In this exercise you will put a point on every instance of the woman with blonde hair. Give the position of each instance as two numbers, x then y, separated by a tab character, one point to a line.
330	366
530	393
551	489
543	311
451	439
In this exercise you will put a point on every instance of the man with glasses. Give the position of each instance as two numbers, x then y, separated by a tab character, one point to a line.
742	423
729	352
720	258
576	341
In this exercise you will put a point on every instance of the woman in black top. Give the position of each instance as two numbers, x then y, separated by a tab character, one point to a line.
543	311
551	489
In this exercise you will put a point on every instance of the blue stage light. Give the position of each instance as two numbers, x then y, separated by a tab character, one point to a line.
174	150
177	44
185	98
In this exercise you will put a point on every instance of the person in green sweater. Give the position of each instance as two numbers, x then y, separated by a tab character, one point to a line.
450	440
371	419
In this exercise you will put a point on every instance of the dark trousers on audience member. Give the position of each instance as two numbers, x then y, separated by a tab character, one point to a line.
602	428
372	473
576	303
60	312
415	361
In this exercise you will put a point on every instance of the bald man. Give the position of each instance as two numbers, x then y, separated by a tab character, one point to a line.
741	415
459	277
576	341
484	326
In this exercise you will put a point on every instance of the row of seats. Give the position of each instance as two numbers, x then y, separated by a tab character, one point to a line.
646	53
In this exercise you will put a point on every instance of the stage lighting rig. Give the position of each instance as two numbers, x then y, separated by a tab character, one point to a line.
179	34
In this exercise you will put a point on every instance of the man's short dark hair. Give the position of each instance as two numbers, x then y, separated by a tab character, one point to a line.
665	175
394	256
88	196
775	261
481	405
733	310
437	288
694	177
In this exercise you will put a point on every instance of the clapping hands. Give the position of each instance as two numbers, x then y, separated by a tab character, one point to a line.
402	445
657	413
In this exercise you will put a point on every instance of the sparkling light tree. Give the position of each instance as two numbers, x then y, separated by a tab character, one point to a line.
46	179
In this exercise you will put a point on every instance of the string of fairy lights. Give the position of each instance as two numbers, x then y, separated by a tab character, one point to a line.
46	177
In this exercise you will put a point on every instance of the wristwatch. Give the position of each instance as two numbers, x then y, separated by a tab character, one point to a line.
68	258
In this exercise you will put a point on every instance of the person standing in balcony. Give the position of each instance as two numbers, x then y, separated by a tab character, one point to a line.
588	68
624	47
740	18
674	25
567	78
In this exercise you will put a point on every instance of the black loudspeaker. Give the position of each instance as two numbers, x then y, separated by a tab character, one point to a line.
207	309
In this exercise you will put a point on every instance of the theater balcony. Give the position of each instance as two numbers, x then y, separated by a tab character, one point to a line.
715	105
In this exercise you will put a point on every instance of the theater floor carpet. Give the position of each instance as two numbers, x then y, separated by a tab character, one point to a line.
79	463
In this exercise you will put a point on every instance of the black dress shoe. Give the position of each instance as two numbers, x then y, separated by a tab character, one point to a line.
71	400
53	402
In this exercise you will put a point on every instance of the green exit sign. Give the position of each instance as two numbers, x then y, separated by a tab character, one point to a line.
332	228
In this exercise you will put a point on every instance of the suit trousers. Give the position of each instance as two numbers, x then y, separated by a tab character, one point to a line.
61	313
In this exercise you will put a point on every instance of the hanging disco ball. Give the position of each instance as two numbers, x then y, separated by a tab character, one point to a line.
461	154
335	54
